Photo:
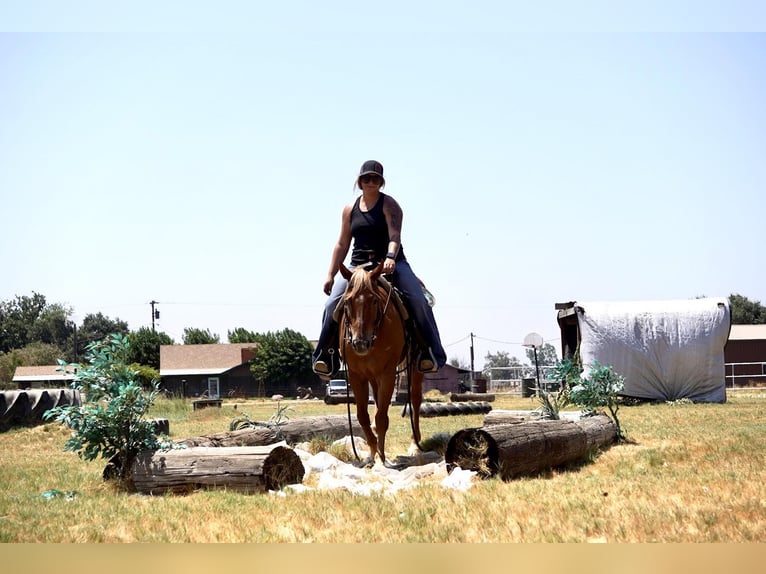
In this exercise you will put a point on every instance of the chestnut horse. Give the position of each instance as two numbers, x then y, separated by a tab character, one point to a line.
372	344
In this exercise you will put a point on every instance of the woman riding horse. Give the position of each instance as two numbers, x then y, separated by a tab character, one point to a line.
374	222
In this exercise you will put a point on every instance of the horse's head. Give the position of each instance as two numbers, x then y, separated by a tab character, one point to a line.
363	307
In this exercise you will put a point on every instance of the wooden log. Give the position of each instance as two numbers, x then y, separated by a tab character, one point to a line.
499	417
513	450
292	431
463	397
242	469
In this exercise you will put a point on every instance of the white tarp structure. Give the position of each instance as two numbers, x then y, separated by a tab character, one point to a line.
665	350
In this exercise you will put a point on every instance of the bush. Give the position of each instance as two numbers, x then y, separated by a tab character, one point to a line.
601	388
110	423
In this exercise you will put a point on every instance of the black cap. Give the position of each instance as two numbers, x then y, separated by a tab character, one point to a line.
372	167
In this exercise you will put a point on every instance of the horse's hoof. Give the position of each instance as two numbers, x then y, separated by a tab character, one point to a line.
414	450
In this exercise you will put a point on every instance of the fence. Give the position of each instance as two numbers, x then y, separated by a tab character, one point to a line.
745	374
508	379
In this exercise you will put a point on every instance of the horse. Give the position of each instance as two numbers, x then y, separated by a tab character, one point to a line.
373	344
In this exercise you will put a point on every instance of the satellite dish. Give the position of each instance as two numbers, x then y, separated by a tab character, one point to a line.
533	340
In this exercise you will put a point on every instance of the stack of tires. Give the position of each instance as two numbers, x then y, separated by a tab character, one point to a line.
28	406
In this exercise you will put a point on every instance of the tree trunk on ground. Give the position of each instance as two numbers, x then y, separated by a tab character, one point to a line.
243	469
461	397
498	417
292	431
513	450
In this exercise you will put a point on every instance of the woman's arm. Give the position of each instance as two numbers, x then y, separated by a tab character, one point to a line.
340	250
393	214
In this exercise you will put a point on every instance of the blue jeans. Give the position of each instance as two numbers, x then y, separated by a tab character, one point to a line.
412	293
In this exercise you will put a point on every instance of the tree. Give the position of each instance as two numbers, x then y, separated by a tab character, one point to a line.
497	360
241	335
111	423
193	336
53	327
546	355
17	317
282	356
97	327
746	312
145	345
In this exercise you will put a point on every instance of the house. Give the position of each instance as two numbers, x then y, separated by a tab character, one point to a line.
447	379
41	377
745	356
212	370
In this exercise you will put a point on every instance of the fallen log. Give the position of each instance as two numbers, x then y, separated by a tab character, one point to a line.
497	417
513	450
463	397
242	469
292	431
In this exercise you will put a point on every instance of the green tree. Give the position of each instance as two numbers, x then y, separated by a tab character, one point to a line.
111	422
282	356
241	335
546	355
193	336
97	327
145	345
53	327
746	312
17	318
498	360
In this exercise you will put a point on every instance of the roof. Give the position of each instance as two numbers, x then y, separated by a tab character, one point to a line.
204	359
747	332
41	373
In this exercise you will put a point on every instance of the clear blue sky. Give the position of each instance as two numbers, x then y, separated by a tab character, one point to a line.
202	160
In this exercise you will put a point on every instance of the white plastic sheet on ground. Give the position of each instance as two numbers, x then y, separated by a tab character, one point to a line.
330	473
665	350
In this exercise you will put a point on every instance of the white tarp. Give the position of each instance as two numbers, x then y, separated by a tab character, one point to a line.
665	350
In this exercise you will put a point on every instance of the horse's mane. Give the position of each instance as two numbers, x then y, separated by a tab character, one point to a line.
360	281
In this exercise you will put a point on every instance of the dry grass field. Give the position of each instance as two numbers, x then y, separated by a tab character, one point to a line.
690	473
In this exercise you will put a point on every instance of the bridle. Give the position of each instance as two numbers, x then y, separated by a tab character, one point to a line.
381	315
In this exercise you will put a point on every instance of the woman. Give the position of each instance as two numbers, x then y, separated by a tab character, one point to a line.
374	222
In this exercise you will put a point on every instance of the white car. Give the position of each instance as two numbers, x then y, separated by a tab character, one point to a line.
335	393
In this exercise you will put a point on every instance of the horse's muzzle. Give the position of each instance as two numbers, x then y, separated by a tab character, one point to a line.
361	346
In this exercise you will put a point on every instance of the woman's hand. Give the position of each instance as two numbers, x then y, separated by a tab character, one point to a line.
388	266
328	284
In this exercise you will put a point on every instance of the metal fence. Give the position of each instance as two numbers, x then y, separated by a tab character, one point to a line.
744	374
508	379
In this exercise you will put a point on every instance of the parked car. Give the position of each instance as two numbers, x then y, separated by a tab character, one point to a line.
335	393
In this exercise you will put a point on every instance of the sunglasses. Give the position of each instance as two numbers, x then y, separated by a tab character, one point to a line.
371	179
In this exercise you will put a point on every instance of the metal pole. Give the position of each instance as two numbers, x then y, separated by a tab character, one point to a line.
472	369
537	369
153	303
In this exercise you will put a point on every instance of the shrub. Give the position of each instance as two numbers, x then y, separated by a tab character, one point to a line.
600	388
111	422
567	373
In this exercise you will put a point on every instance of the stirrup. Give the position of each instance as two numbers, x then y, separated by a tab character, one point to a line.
427	362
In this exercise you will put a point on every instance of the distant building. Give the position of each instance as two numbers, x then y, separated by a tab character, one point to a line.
41	377
745	356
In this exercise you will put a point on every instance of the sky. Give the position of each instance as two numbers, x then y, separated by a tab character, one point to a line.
202	160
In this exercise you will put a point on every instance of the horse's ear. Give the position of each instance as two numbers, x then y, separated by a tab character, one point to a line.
375	273
345	273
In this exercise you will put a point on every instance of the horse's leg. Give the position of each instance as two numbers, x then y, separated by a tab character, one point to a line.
363	416
416	398
382	402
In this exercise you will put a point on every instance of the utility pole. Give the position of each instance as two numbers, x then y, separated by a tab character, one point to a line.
155	314
472	370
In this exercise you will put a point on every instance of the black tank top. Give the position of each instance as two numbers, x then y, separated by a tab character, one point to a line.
370	233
